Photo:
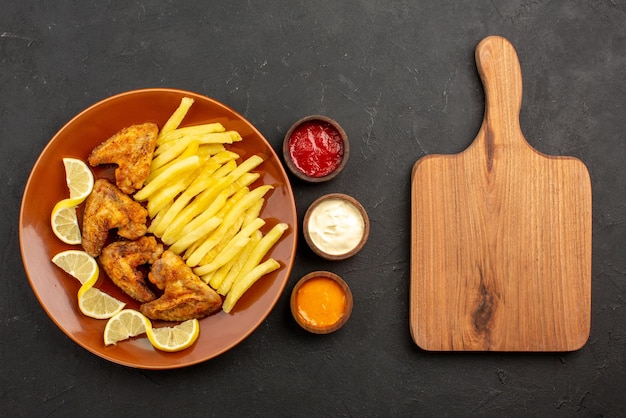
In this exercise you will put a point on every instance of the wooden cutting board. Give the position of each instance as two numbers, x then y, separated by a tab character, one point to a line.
501	234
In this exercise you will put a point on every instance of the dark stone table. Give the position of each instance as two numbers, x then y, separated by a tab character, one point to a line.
401	79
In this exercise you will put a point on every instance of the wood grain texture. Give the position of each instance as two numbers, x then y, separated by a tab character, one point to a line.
501	234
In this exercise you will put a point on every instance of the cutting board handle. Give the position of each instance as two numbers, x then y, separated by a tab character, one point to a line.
499	70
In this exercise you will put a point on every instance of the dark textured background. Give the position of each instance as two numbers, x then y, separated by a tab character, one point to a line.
400	77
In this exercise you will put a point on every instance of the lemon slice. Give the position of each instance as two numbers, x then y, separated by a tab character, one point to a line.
125	324
79	179
63	218
65	222
78	264
97	304
174	338
92	302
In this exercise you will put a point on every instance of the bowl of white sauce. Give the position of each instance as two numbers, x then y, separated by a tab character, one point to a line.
336	226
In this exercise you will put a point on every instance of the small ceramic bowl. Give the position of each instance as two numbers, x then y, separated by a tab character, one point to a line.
329	156
336	226
321	302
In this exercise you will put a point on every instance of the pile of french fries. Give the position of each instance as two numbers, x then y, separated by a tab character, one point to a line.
200	204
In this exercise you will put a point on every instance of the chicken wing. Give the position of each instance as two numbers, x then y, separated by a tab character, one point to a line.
120	260
131	149
107	208
185	295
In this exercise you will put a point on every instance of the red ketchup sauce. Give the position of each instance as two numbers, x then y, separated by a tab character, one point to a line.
316	148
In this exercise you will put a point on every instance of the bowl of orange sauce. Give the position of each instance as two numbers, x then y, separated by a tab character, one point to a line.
321	302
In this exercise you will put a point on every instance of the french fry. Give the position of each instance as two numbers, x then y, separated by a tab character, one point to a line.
160	149
229	253
211	149
209	163
253	212
204	151
236	212
247	179
241	286
226	229
168	193
219	207
194	130
266	243
254	257
206	228
182	146
250	216
206	203
175	170
220	157
188	212
233	268
161	198
223	242
175	143
249	164
188	152
179	231
232	174
190	217
158	218
233	247
226	137
218	275
206	179
177	117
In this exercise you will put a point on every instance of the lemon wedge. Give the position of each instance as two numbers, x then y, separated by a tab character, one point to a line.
176	338
79	179
125	324
65	222
80	184
78	264
97	304
92	302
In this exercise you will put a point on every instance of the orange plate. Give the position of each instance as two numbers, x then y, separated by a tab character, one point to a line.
57	291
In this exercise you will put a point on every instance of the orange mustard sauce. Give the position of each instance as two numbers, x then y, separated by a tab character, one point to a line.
321	302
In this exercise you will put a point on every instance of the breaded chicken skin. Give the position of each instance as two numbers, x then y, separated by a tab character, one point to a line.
184	297
107	208
131	149
120	260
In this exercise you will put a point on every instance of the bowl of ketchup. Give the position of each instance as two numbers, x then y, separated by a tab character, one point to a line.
316	148
321	302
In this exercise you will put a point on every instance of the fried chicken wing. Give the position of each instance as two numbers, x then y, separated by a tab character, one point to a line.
107	208
131	149
185	295
121	259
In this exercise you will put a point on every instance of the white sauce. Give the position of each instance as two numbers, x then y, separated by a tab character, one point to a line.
336	226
